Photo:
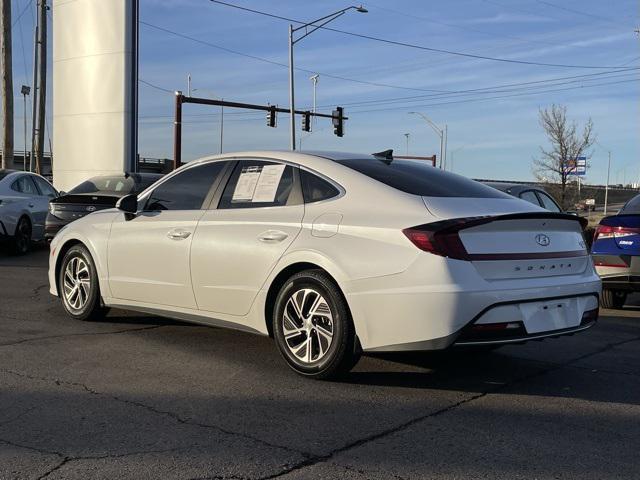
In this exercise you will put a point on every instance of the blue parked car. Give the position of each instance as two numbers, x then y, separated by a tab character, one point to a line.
616	253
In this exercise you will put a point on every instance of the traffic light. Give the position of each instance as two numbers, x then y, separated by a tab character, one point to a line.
338	121
271	116
306	121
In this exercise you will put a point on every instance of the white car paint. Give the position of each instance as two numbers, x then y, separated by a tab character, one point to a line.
15	204
400	297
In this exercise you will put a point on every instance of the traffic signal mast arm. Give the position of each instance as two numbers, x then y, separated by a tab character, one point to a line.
250	106
337	117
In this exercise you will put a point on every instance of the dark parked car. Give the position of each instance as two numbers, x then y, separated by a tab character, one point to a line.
531	193
97	193
616	254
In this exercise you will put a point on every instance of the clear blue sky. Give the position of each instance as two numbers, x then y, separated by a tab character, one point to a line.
489	137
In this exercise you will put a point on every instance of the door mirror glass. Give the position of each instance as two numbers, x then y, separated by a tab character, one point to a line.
128	203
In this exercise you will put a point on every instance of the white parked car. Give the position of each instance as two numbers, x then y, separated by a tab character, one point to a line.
24	203
332	254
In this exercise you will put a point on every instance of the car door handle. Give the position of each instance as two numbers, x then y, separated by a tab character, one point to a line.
178	234
272	236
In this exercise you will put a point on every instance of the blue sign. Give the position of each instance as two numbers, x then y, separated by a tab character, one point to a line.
577	167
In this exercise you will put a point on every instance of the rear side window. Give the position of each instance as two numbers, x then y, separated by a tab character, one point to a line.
632	206
25	185
187	190
548	203
315	189
258	183
418	178
530	197
46	189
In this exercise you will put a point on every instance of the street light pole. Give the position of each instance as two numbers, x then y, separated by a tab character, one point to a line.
606	188
292	102
25	90
314	25
439	131
407	137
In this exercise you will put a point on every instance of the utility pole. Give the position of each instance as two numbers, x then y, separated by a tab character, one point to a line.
407	137
221	125
6	85
40	81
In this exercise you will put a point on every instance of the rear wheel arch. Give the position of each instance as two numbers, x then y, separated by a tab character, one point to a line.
20	218
281	278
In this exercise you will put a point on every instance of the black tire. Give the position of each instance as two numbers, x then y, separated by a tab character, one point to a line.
343	350
21	242
613	298
91	308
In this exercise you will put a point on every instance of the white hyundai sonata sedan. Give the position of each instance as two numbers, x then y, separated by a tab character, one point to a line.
332	255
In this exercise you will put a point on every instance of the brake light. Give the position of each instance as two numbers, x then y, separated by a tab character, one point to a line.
607	231
445	242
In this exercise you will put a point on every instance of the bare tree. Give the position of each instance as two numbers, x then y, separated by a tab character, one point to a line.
567	144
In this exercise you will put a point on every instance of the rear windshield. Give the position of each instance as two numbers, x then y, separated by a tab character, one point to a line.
4	173
116	185
420	178
632	206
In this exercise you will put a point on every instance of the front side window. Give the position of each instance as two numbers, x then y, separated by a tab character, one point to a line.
419	178
315	189
187	190
25	185
548	203
530	197
46	189
258	183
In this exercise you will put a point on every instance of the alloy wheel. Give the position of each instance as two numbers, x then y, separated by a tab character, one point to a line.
77	283
23	236
307	324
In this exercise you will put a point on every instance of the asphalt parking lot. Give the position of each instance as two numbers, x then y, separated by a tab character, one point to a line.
143	397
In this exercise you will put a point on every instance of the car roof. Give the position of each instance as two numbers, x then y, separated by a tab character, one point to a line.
513	188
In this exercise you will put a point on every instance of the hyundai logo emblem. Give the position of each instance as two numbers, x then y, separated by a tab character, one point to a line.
542	240
91	209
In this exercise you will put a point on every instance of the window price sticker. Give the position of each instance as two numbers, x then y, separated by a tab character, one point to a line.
246	185
268	182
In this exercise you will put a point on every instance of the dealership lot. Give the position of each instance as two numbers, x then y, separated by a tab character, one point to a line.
143	397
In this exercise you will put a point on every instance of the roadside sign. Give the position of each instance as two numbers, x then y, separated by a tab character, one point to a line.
577	167
590	201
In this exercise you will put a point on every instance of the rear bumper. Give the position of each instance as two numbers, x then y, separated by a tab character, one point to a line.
619	272
429	306
52	226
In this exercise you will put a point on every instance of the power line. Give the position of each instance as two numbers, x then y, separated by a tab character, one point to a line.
460	27
495	88
273	62
415	46
21	14
470	100
578	12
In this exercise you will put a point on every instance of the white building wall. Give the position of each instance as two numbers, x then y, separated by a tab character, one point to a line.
94	88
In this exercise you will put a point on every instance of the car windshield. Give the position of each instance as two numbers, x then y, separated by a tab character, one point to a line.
113	185
420	178
632	206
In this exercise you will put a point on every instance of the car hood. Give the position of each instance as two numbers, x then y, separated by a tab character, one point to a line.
458	207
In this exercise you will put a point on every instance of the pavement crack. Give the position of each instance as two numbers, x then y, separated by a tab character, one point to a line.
64	461
43	451
88	334
316	459
174	416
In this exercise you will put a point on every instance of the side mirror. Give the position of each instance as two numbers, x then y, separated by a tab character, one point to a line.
572	212
128	203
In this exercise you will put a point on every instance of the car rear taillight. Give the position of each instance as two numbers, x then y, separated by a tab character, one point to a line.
607	231
445	242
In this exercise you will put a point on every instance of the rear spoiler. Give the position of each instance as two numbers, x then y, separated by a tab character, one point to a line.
457	224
